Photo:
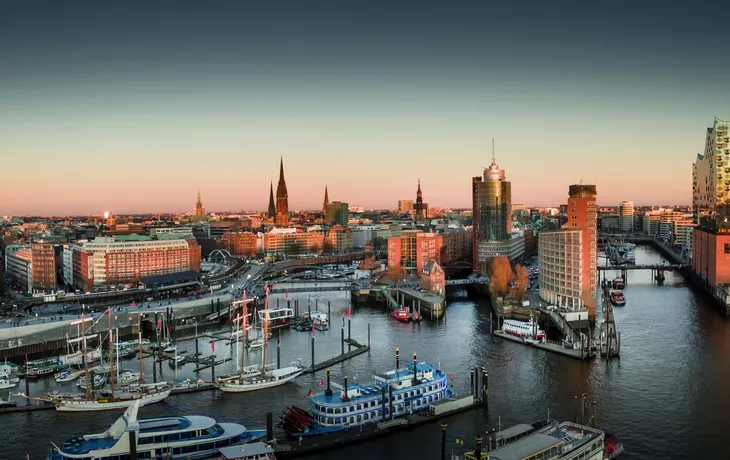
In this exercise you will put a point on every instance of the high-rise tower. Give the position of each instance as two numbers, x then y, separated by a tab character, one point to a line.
282	199
199	210
271	213
326	201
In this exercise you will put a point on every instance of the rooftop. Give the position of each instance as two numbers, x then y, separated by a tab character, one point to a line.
246	450
525	447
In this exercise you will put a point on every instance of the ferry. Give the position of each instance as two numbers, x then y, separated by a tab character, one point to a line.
552	440
173	437
392	394
528	329
277	318
617	298
401	314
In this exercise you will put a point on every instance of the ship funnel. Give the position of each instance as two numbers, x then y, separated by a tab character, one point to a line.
415	370
328	391
345	397
397	358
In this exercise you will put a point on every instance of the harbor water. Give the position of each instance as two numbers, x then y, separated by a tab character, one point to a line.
666	397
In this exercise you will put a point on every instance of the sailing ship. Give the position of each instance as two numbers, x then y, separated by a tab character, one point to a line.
115	398
265	378
171	437
392	394
76	357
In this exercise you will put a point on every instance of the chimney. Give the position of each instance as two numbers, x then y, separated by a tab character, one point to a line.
415	370
397	358
328	391
345	397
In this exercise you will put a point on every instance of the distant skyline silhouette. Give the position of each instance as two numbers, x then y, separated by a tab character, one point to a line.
130	107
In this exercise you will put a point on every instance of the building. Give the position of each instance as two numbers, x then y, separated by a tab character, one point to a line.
610	223
337	213
711	205
271	213
239	243
43	266
626	217
180	231
199	209
18	261
364	234
405	206
326	201
292	242
582	214
128	259
492	211
68	266
282	199
456	246
340	239
218	228
413	249
561	270
433	276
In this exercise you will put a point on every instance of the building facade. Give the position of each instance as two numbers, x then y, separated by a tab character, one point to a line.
337	213
292	242
582	214
405	206
561	267
239	243
282	199
413	249
433	277
626	216
492	215
340	239
120	260
43	266
18	260
68	265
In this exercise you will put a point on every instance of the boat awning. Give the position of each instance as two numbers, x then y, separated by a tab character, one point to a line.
245	451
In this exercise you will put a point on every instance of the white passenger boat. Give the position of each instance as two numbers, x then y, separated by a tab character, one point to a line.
173	437
66	376
527	329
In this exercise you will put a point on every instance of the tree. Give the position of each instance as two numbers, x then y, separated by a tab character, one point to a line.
314	248
327	246
500	275
522	282
379	243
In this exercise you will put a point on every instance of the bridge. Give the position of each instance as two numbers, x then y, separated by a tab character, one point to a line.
314	261
484	279
645	267
309	286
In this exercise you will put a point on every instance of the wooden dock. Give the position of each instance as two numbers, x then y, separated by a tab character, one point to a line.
337	359
549	345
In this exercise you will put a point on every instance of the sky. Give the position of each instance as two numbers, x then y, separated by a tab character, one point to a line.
132	106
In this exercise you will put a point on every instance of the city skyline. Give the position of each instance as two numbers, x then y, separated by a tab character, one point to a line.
132	108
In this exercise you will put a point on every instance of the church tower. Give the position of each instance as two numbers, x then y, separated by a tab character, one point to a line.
271	213
326	201
418	206
199	209
282	199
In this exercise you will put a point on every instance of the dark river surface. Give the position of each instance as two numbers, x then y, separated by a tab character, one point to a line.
667	397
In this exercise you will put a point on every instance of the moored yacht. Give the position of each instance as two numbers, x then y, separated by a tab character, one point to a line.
174	437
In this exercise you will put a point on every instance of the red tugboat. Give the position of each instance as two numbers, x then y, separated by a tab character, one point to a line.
613	448
401	314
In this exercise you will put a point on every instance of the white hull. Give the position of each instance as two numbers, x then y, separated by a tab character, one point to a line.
68	378
77	359
5	384
252	385
88	406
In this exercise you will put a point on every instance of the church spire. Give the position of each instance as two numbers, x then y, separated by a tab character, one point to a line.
326	200
281	170
199	202
282	199
272	207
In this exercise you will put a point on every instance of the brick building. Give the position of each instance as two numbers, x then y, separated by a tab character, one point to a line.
239	243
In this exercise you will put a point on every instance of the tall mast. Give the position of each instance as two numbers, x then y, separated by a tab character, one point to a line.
139	329
84	356
111	348
244	312
265	331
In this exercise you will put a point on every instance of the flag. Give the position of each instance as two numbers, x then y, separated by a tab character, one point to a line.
212	346
348	311
286	296
309	395
115	318
133	304
159	323
451	379
312	329
320	383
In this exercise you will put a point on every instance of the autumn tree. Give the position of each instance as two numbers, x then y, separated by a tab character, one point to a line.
522	282
327	246
395	273
500	275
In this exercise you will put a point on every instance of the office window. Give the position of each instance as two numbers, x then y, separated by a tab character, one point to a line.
727	248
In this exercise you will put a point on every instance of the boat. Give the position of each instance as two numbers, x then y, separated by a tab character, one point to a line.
555	441
618	283
6	403
319	320
41	367
6	382
187	384
617	298
265	378
177	360
98	382
401	314
127	376
252	451
280	317
66	376
392	394
527	329
612	447
171	437
77	359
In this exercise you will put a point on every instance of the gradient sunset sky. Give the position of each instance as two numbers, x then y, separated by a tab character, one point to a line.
131	106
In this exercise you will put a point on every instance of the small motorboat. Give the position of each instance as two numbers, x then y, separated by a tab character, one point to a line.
127	376
617	298
5	403
401	314
66	376
99	381
178	360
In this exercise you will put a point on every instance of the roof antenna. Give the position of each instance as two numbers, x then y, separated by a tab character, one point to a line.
494	160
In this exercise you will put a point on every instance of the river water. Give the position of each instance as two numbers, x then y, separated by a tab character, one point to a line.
666	397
